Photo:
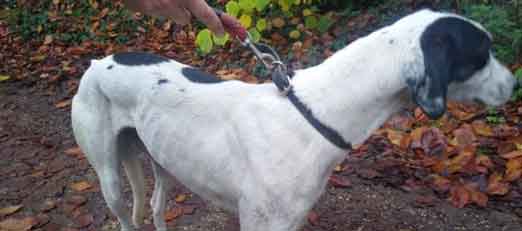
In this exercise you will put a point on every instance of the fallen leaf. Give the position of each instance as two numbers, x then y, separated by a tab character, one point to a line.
12	224
181	198
63	104
75	152
313	218
81	186
513	169
4	78
459	196
464	135
496	185
174	213
395	137
505	131
425	200
189	209
481	128
48	39
338	181
10	210
479	198
440	184
84	220
511	155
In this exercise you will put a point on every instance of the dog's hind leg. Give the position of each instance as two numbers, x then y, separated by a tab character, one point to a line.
129	146
159	196
100	146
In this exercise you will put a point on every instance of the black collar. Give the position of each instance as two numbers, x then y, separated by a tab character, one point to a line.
327	132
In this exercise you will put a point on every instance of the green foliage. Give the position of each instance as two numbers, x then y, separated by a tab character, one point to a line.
493	117
72	21
287	17
517	95
504	22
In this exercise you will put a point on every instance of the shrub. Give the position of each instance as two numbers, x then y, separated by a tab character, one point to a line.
504	22
260	17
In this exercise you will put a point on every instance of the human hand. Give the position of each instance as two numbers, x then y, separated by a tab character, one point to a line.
180	10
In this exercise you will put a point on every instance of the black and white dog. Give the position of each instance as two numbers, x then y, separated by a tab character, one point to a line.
250	149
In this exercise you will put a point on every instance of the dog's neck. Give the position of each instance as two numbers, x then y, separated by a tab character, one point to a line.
358	88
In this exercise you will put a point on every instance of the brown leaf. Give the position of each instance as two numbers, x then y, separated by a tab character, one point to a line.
420	116
173	214
511	155
84	220
10	210
481	128
75	152
340	182
459	196
462	159
48	39
440	184
464	135
496	185
180	198
513	169
477	197
395	137
189	209
425	200
11	224
313	218
402	123
462	112
505	131
81	186
64	103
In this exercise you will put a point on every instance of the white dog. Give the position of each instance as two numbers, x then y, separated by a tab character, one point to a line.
254	151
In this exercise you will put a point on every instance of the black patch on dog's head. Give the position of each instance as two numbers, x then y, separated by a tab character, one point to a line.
453	50
198	76
138	58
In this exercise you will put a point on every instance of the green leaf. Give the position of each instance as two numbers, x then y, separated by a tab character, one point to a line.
261	24
204	41
256	36
232	8
221	41
4	78
295	34
247	5
245	20
261	4
311	22
324	23
518	73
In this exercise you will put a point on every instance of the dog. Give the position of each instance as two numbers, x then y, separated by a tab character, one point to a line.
255	152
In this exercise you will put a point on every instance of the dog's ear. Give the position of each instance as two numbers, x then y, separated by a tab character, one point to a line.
453	49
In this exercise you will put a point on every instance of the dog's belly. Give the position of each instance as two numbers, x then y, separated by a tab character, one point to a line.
195	150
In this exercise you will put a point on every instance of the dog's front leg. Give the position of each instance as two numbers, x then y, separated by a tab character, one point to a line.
159	196
255	217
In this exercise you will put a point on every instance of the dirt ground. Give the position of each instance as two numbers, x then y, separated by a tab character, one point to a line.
37	173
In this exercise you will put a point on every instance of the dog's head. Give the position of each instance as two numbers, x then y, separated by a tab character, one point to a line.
459	65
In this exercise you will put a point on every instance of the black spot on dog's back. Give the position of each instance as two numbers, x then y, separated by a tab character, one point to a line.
138	58
162	81
198	76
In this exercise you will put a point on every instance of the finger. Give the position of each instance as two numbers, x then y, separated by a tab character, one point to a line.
176	12
206	14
